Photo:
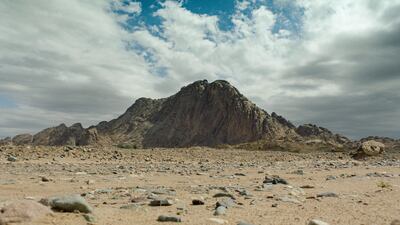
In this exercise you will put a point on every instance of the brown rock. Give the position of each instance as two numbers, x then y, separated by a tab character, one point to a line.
22	211
372	147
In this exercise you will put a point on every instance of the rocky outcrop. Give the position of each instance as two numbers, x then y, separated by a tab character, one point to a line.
313	132
202	113
63	135
22	139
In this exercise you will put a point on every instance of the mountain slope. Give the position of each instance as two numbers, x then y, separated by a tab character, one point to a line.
202	113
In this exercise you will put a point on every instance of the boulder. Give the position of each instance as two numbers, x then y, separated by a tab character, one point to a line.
23	211
372	148
68	203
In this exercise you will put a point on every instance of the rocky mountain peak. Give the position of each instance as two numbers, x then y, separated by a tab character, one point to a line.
201	113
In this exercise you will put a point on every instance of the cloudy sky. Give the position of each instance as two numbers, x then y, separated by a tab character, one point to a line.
333	63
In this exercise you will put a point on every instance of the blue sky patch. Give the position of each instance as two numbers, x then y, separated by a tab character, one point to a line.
6	102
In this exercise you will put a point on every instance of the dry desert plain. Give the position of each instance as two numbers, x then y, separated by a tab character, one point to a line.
120	184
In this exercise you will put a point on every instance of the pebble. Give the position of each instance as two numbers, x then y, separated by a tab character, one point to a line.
163	218
197	202
274	180
317	222
89	218
223	194
12	158
45	179
289	199
220	210
225	202
327	194
330	177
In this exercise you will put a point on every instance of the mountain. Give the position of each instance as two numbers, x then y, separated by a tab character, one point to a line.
200	114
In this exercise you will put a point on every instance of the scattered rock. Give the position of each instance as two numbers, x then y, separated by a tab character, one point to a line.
220	210
274	180
331	177
327	194
197	202
307	186
12	158
23	211
45	179
289	199
89	218
317	222
225	202
169	219
161	202
68	203
223	194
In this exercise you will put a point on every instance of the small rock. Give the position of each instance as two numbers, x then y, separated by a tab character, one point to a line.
220	210
45	179
12	158
327	194
89	218
289	199
223	194
240	174
317	222
197	202
274	205
330	177
225	202
169	219
274	180
161	202
307	186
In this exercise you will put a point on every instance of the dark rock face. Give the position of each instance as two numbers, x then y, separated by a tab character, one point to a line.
207	114
22	139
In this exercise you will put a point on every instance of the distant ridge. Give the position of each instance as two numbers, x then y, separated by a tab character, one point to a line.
200	114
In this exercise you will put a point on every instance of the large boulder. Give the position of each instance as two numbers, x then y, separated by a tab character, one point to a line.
23	211
372	148
67	203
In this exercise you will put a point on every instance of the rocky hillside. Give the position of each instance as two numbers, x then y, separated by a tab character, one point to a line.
200	114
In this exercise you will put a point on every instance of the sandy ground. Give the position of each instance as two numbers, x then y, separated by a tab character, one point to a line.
368	191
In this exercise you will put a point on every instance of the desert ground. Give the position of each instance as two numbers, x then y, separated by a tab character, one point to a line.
120	183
